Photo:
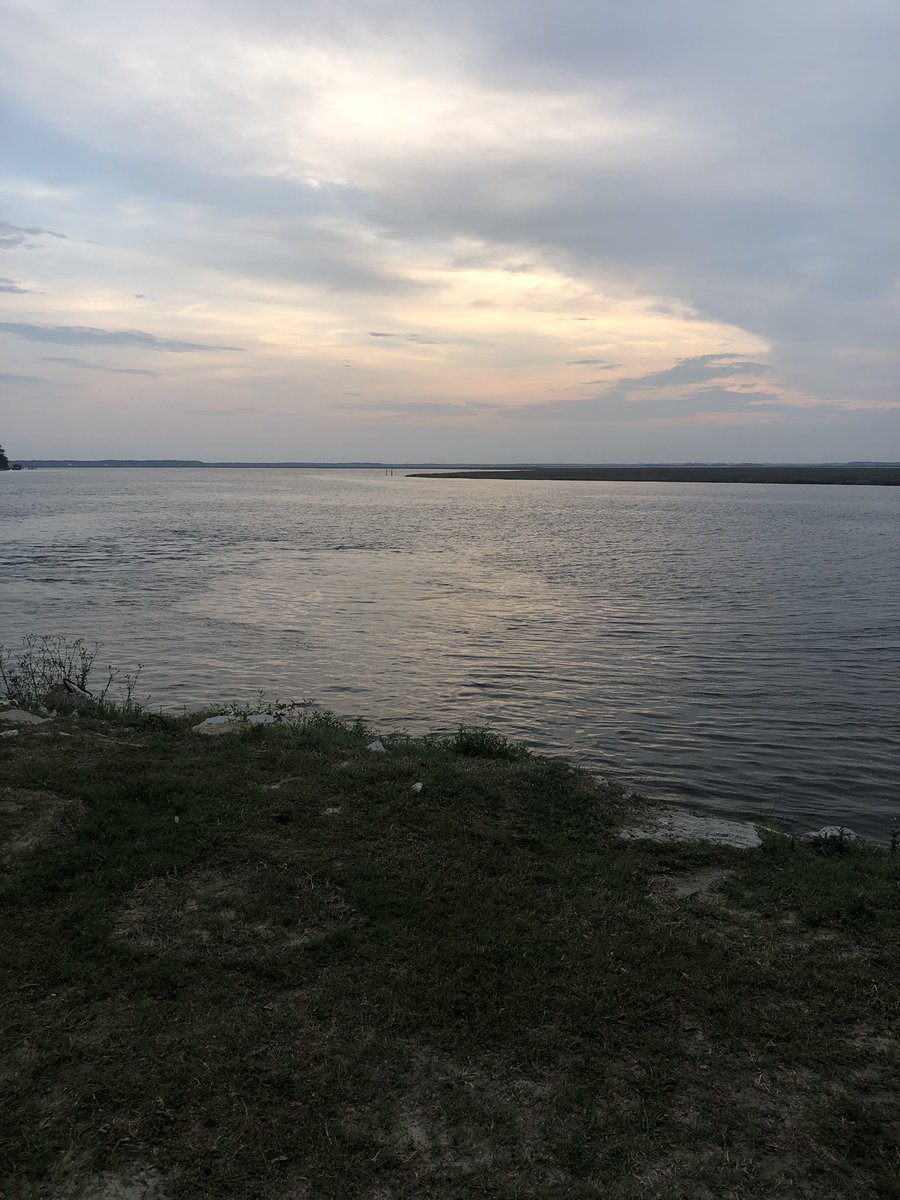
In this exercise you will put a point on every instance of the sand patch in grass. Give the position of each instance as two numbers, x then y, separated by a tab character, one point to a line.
702	885
231	911
143	1184
31	819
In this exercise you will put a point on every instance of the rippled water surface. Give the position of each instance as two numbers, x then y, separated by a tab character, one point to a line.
732	647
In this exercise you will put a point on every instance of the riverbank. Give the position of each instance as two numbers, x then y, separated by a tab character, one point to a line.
279	963
849	473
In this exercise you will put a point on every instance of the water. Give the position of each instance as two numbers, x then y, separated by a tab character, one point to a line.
730	647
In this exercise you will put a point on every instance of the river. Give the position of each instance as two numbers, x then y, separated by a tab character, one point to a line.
730	647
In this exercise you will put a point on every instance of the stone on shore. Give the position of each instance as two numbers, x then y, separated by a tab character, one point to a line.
232	723
376	747
839	832
215	726
18	716
676	826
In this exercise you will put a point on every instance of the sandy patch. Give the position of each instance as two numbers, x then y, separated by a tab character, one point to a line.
219	913
702	886
30	819
460	1122
144	1184
676	825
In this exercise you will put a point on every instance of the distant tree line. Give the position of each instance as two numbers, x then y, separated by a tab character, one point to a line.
4	461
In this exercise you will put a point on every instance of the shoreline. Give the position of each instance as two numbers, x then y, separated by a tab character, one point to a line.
854	473
882	476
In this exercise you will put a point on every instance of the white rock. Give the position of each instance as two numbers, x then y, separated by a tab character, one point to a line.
214	726
417	787
835	831
330	812
376	747
10	733
260	719
17	716
675	826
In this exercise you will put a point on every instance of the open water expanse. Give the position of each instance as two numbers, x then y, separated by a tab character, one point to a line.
732	647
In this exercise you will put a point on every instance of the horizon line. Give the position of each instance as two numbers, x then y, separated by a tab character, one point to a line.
366	464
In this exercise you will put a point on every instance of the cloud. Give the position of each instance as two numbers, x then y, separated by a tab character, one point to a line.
13	236
639	398
83	335
617	407
435	408
601	364
698	368
81	365
6	377
577	387
10	285
313	172
416	338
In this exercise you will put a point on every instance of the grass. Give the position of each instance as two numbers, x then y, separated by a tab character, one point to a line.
261	965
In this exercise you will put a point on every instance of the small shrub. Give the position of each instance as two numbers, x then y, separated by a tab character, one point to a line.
37	674
479	741
833	844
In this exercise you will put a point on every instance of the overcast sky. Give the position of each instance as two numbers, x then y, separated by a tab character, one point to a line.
583	231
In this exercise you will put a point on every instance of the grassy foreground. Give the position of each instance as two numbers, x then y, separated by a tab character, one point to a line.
261	965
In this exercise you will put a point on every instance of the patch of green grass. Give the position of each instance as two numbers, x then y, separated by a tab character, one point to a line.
261	965
475	741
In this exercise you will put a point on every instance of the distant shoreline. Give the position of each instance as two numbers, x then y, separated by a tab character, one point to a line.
871	473
885	476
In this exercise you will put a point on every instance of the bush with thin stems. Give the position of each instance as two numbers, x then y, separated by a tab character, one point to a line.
50	671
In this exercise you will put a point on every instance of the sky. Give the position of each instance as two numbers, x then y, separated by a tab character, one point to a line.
579	231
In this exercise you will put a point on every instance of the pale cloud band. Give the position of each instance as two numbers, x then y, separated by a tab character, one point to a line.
80	335
14	236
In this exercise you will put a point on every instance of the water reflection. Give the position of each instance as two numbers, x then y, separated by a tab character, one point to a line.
736	646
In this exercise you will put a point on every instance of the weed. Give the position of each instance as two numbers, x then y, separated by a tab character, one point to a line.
282	710
476	741
840	842
53	672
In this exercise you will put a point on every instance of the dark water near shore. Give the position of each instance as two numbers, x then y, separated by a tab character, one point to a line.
735	648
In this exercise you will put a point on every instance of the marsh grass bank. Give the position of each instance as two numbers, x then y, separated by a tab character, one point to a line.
856	474
262	965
